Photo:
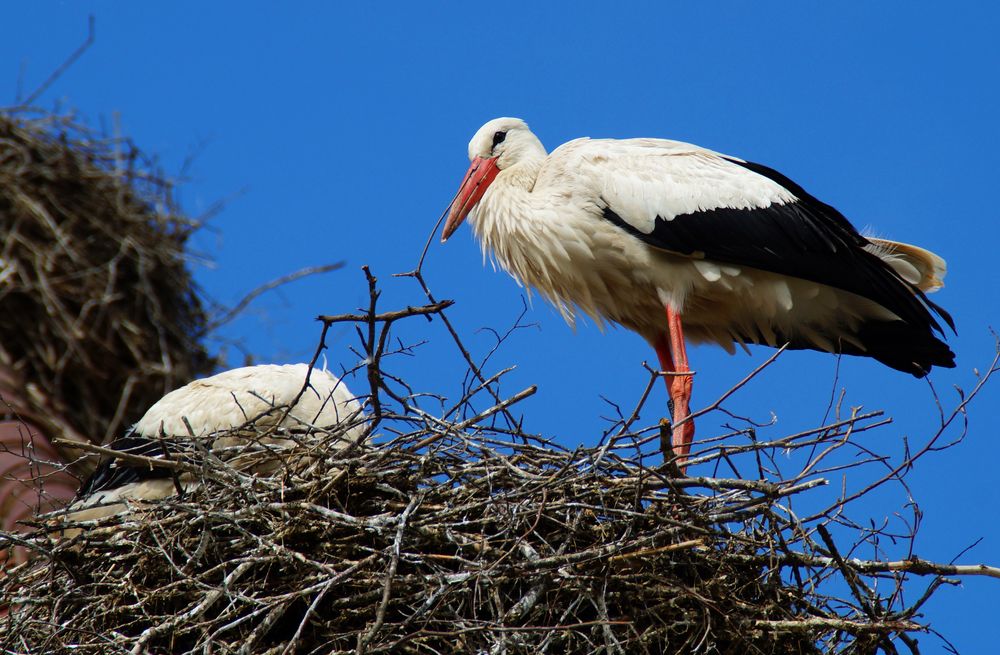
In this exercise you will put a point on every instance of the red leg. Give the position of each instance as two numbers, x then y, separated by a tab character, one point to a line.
673	359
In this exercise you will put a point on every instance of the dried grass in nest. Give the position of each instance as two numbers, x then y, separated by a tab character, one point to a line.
102	316
463	533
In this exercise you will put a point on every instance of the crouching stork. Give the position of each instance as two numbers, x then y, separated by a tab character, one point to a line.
197	418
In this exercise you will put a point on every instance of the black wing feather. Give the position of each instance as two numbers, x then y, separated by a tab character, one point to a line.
811	240
112	473
835	221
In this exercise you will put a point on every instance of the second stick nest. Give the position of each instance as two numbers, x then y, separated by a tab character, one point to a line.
101	316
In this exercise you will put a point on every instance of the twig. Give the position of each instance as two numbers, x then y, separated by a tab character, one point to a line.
433	308
58	72
239	307
826	624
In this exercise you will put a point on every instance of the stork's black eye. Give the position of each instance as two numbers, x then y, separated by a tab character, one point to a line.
498	137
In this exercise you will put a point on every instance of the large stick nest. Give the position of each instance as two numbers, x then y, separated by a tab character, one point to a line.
457	531
102	316
463	546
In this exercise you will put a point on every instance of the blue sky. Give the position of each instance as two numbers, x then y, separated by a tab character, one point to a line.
339	134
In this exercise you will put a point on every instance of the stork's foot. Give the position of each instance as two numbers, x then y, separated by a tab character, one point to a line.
683	435
672	354
680	413
677	434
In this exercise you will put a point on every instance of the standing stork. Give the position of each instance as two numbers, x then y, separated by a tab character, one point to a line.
199	415
675	241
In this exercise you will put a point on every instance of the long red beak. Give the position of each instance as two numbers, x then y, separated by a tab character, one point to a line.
478	178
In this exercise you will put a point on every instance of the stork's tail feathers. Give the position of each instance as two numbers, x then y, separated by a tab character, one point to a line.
898	344
918	266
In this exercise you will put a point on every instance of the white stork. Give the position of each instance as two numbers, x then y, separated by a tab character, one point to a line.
261	396
660	235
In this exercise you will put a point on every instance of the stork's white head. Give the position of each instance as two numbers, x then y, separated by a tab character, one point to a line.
508	140
496	146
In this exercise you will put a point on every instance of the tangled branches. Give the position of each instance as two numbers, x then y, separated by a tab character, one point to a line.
455	530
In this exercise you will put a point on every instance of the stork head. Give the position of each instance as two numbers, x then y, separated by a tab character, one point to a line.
496	146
